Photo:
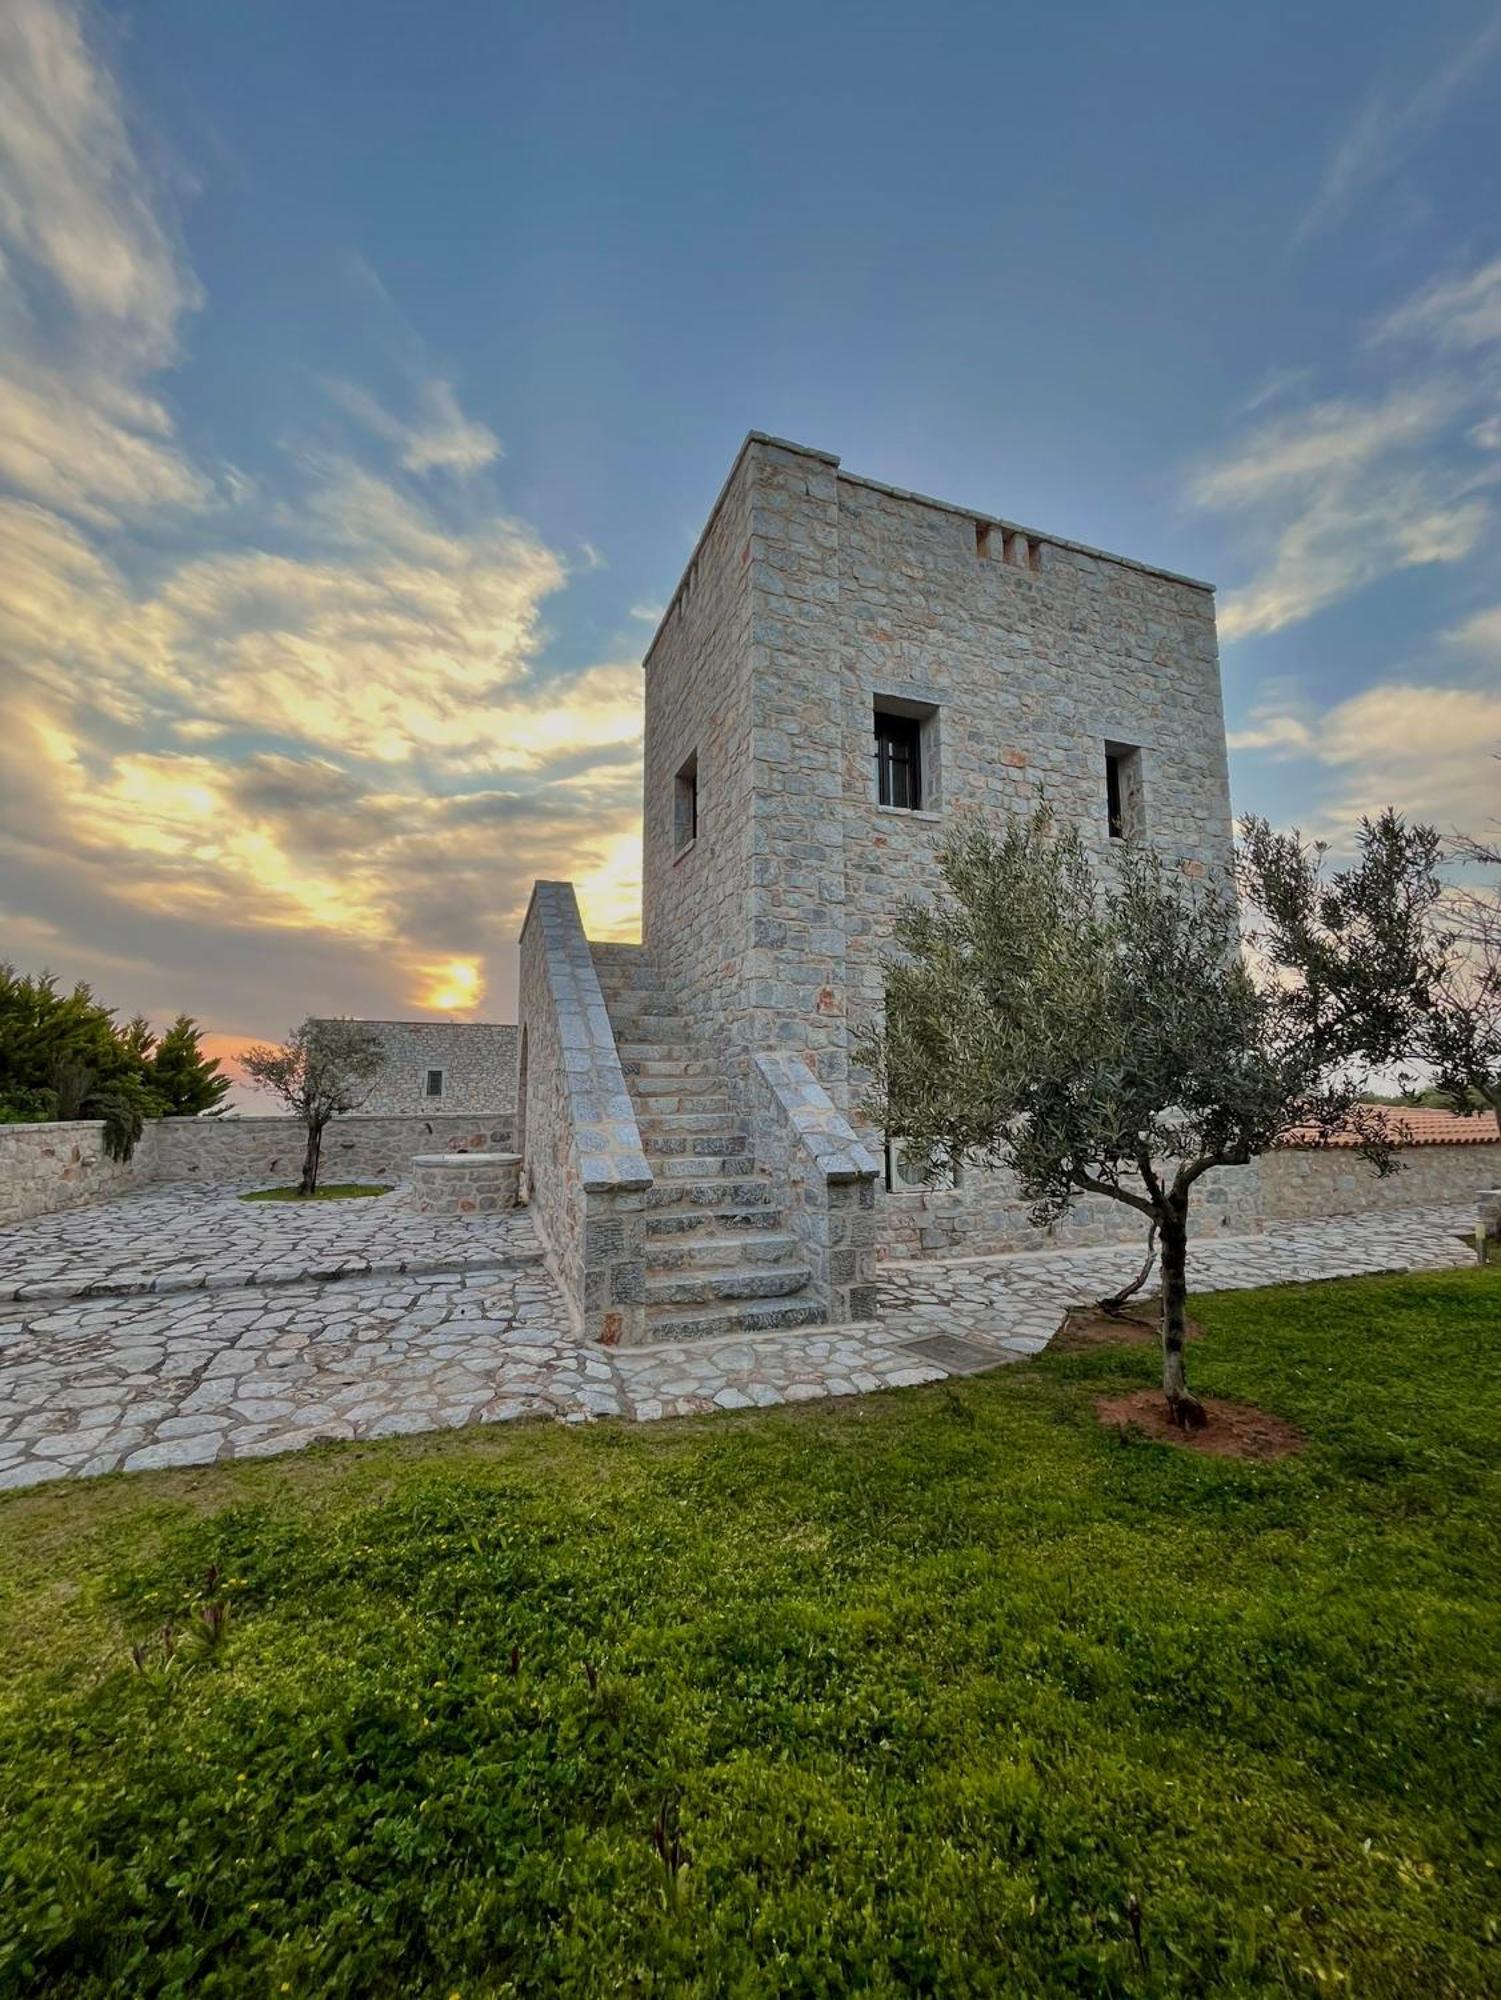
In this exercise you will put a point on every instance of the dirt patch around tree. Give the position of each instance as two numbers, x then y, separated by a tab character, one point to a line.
1085	1327
1234	1430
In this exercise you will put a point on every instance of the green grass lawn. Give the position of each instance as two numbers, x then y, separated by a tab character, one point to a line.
931	1684
339	1191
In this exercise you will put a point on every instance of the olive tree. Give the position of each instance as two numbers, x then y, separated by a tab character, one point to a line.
323	1070
1099	1031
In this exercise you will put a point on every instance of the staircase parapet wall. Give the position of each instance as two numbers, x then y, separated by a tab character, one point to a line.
585	1167
805	1140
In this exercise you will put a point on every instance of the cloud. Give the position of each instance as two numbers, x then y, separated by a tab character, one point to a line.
310	756
1333	495
437	436
1428	750
1460	311
1341	493
75	202
1387	130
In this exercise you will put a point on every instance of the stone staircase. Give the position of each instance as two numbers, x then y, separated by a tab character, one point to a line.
720	1256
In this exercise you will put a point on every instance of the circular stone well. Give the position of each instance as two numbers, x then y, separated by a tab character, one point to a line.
464	1183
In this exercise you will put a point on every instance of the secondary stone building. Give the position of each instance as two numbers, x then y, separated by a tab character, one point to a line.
842	666
444	1066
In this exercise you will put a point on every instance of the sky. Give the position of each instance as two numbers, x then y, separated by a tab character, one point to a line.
367	372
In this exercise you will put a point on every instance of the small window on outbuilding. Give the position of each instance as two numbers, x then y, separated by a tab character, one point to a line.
898	760
685	805
432	1083
1125	796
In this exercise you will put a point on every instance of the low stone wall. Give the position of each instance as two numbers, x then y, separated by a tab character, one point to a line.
362	1148
48	1167
586	1175
985	1217
1303	1184
803	1136
463	1183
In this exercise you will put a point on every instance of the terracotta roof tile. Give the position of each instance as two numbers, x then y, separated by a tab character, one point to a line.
1426	1128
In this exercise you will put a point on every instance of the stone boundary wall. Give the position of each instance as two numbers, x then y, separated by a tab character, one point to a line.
44	1168
585	1171
360	1148
800	1133
477	1058
1306	1183
48	1167
985	1216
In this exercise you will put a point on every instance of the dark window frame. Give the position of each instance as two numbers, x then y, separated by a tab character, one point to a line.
1115	810
427	1083
898	755
685	805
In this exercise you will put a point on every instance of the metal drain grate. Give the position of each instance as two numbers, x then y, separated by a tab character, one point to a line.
960	1357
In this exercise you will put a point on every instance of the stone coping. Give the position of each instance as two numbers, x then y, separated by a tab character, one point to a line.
826	1134
466	1159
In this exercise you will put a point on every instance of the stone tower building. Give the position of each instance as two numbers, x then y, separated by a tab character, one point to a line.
842	666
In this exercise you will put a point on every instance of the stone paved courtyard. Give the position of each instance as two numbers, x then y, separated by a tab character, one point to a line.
183	1326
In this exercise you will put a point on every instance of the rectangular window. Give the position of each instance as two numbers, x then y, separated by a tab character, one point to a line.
904	1175
1125	796
899	760
685	805
432	1085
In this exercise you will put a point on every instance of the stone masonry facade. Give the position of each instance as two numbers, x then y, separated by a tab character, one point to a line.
816	599
472	1064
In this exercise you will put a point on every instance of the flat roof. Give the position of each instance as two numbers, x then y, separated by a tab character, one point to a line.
918	499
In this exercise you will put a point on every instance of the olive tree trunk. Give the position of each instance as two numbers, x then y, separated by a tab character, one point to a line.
1172	1225
309	1182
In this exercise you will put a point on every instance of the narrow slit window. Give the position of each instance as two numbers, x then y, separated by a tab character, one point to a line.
432	1083
1125	800
685	805
899	761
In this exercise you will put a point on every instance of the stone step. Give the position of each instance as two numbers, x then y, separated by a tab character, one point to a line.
763	1315
711	1105
713	1219
709	1194
717	1252
660	1147
729	1281
692	1118
679	1087
664	1073
646	1027
630	1051
697	1166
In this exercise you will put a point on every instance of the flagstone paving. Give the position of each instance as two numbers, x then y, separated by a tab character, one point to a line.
190	1238
238	1366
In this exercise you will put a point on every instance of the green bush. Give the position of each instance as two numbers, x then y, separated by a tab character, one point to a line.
63	1055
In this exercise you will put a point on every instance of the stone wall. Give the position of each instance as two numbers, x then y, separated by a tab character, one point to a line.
1029	655
361	1148
693	911
1303	1184
830	1179
477	1058
984	1216
47	1167
585	1172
